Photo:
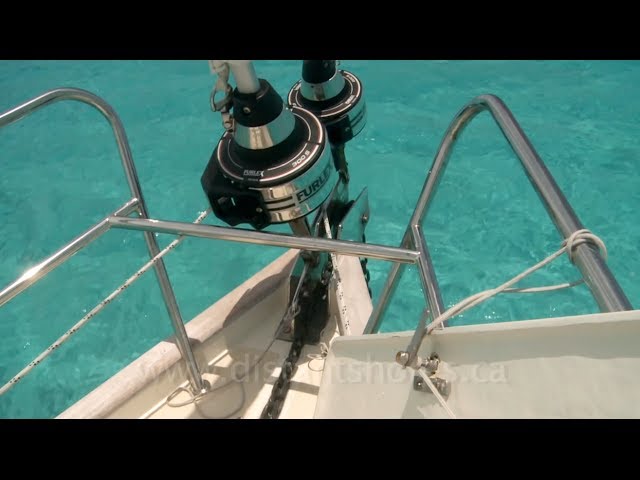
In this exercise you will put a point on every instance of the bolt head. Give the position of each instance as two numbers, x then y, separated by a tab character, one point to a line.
402	358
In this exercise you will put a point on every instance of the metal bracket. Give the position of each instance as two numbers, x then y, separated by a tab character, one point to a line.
298	276
431	366
352	226
443	386
337	199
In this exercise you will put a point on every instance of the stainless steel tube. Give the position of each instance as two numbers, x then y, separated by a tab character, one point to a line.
50	263
427	274
107	111
433	297
387	292
314	244
603	285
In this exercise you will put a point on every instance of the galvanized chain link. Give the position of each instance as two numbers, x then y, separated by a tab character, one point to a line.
280	388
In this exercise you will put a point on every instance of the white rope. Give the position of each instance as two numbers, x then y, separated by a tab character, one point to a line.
195	398
435	391
324	351
97	309
577	238
292	311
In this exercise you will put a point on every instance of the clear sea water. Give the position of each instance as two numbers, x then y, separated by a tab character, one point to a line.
60	172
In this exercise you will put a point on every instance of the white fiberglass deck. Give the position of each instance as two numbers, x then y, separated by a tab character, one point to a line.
573	367
228	338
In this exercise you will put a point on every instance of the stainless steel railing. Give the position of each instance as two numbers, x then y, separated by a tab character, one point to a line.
135	203
413	249
603	285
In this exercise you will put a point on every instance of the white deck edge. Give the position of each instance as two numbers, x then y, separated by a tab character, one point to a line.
111	394
591	318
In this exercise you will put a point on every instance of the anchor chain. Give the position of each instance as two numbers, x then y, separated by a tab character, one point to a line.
281	387
312	301
313	297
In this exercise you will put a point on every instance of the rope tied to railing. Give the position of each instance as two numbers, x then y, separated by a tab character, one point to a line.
579	237
97	309
584	236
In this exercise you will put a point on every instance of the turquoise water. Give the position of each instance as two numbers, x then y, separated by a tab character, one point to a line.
60	173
